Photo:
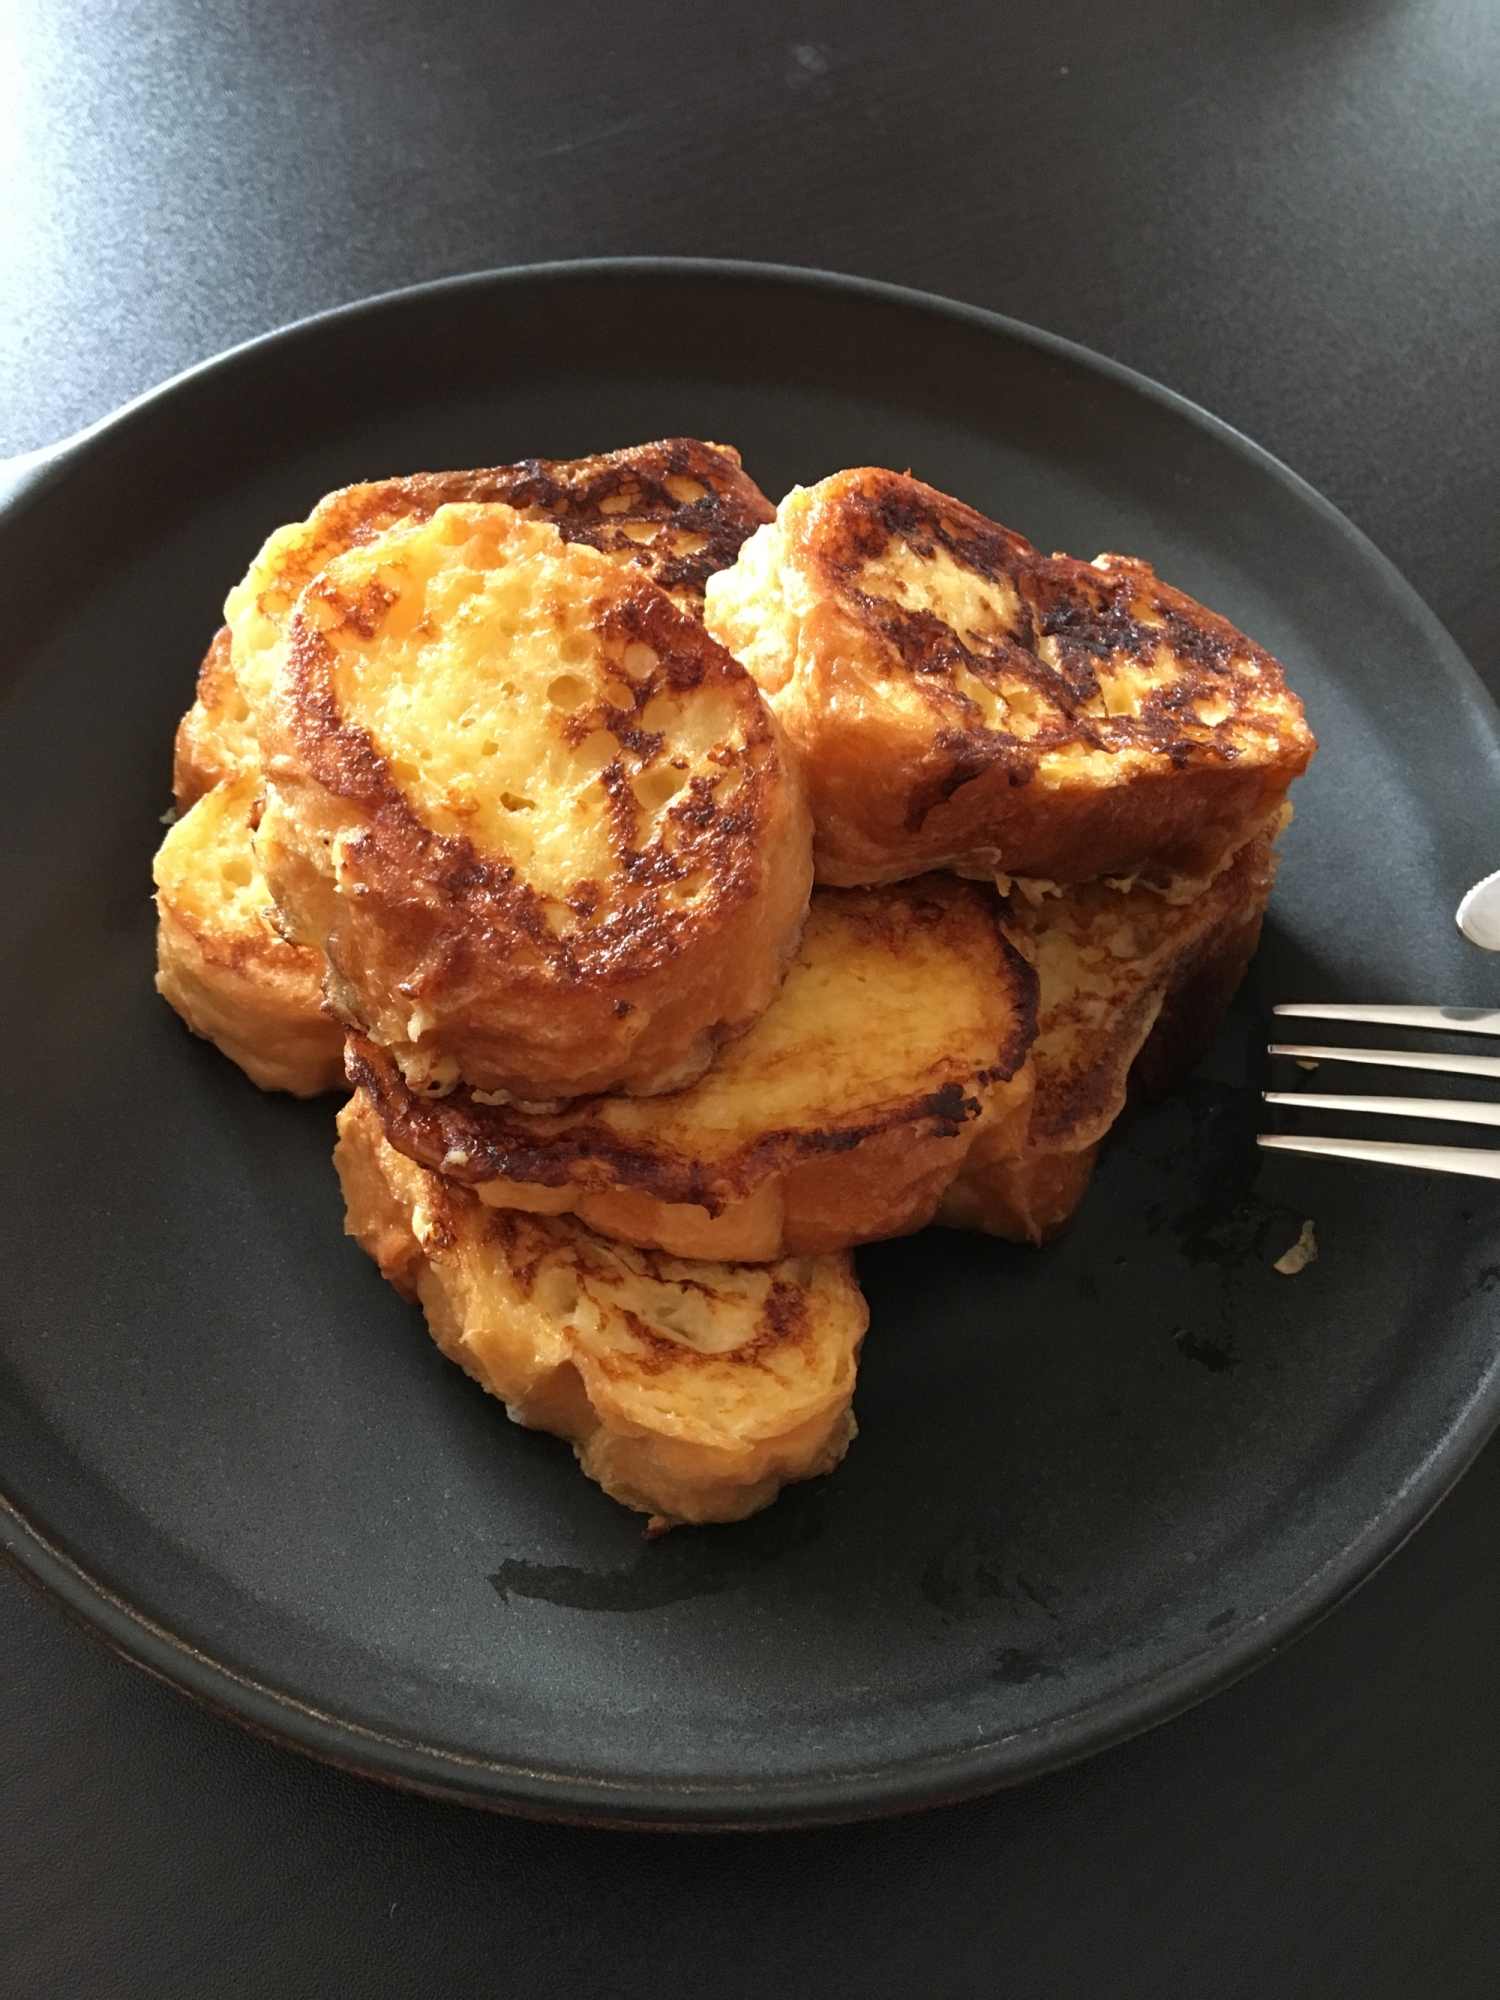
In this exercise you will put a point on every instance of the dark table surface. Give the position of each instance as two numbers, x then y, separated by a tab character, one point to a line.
1289	212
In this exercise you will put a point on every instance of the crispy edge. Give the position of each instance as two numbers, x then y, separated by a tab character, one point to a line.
697	495
1165	1030
595	501
879	1172
889	802
205	751
577	1395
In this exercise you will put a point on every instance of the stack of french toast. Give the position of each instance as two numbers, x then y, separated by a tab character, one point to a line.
691	890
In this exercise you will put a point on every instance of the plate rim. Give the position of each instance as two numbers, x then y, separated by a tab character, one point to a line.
923	1779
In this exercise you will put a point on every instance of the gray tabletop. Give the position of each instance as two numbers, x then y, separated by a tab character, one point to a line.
1288	213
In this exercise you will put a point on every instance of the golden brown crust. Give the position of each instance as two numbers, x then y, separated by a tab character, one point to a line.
1133	989
219	962
962	701
634	961
690	1391
215	739
899	1038
677	509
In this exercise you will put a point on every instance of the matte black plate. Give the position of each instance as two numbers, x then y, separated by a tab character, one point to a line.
1092	1483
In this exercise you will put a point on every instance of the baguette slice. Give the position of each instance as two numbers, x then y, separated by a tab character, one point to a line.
1133	989
676	510
221	964
546	832
898	1037
961	701
689	1391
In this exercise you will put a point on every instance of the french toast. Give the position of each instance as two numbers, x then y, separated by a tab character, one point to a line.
690	1391
545	830
962	701
220	962
1133	987
898	1036
677	509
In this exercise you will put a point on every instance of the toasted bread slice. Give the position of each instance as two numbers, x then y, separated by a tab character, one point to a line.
677	509
1133	989
546	831
690	1391
961	701
899	1034
220	963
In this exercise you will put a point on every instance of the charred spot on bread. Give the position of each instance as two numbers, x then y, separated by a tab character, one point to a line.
961	700
513	786
900	1033
676	510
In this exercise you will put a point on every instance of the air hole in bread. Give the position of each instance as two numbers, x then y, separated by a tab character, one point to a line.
482	551
655	787
595	754
557	1293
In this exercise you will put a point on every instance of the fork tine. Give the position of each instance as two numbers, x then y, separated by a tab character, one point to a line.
1477	1161
1396	1059
1455	1111
1456	1020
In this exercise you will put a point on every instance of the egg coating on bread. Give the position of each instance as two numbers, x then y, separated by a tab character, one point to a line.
899	1035
962	701
677	509
216	739
546	831
1132	988
691	1391
220	962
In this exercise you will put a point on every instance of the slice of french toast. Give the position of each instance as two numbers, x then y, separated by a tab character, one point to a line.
690	1391
677	509
546	831
962	701
1133	988
899	1036
220	962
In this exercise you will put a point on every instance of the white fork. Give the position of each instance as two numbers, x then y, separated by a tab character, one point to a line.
1474	1160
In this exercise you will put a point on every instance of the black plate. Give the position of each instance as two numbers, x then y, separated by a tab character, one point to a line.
1092	1483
